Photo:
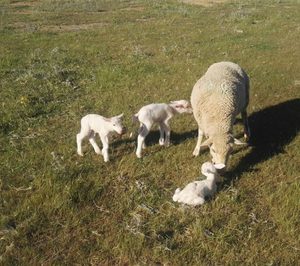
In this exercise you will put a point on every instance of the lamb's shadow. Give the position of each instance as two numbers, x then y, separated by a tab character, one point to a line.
176	138
272	129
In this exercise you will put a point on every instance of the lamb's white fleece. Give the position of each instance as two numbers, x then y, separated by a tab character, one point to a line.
195	192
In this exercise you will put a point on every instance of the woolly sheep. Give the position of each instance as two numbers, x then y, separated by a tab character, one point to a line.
195	192
92	124
159	113
217	98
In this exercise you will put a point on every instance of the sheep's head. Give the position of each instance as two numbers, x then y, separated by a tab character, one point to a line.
117	124
220	147
182	106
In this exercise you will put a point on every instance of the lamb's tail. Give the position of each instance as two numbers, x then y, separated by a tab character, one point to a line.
135	118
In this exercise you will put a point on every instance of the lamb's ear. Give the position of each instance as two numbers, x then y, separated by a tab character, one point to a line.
120	116
219	166
238	142
207	143
177	190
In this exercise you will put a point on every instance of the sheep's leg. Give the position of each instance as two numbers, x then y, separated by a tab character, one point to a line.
167	130
246	125
104	140
93	142
162	134
197	148
84	132
143	132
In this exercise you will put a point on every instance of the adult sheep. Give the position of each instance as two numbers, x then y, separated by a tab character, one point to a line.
217	98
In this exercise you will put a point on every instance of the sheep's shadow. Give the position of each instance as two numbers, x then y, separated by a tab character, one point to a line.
271	130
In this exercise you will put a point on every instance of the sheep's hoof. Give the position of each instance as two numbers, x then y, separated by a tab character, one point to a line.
98	152
161	142
139	155
246	137
80	153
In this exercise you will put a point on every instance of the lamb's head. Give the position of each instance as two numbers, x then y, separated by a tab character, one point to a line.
220	147
182	106
211	170
117	124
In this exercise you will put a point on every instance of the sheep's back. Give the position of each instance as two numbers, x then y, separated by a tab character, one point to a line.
220	95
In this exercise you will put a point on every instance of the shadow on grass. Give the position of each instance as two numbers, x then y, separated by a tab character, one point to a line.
272	129
176	138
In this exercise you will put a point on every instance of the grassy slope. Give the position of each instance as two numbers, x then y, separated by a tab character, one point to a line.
57	208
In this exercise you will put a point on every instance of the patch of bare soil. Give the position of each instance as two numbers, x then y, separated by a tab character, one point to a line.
65	28
204	2
24	4
56	28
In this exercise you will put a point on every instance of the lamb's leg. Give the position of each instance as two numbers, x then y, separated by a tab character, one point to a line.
162	133
104	140
93	142
167	130
246	125
143	132
197	201
197	148
84	132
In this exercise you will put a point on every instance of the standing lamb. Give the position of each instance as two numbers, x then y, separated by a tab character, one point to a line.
92	124
195	192
217	98
159	113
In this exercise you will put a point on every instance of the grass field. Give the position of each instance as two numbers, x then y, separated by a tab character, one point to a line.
60	60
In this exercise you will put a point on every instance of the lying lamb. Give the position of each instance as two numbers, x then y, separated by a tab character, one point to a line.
217	98
92	124
195	192
159	113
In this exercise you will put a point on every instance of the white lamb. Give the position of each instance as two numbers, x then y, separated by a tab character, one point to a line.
92	124
217	98
195	192
159	113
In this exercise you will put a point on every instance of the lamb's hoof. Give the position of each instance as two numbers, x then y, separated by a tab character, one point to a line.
161	143
98	152
139	155
80	153
196	153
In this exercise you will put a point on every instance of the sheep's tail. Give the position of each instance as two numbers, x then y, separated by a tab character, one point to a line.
176	195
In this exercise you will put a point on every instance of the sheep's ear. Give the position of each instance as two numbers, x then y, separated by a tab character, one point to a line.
238	142
120	116
219	166
207	142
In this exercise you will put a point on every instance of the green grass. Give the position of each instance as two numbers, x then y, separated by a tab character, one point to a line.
63	59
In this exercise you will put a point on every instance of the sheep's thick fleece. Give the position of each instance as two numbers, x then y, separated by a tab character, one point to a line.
219	96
